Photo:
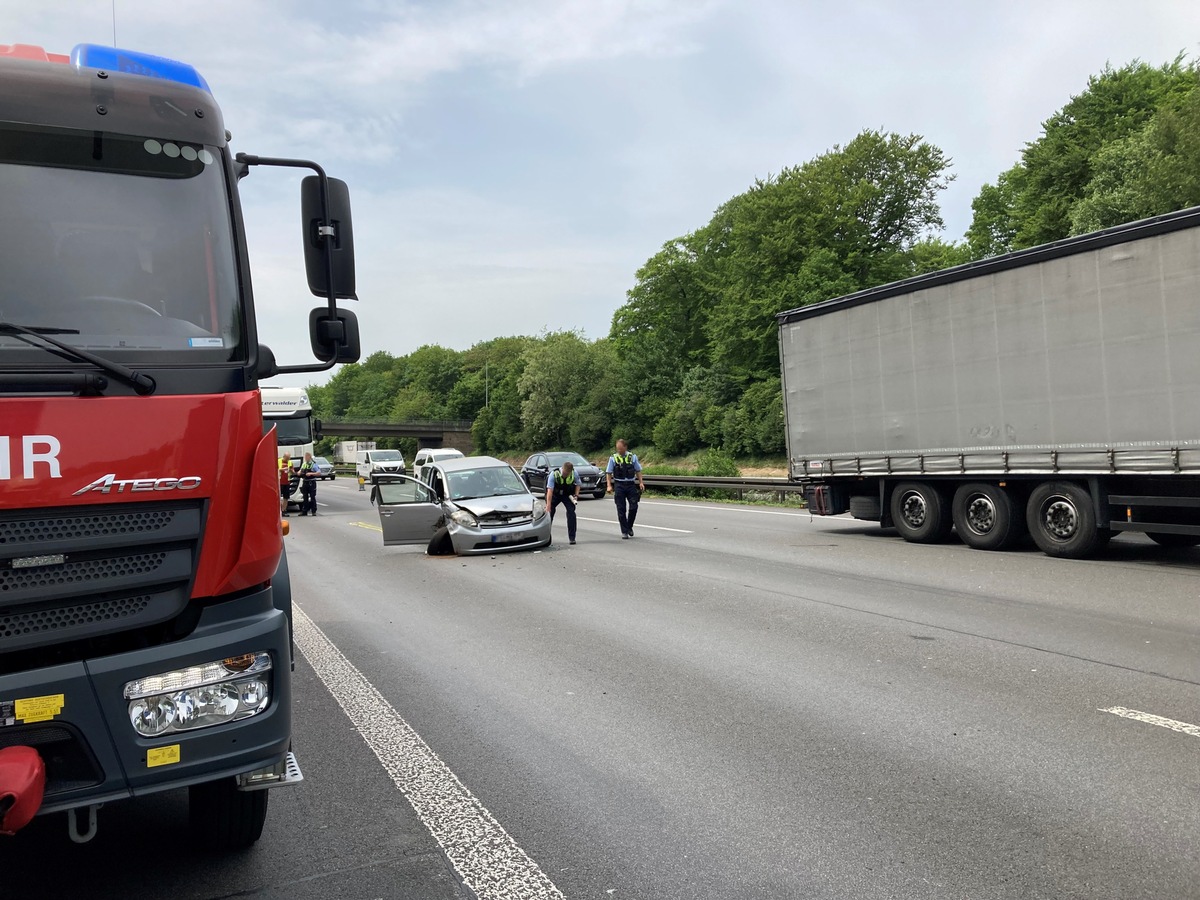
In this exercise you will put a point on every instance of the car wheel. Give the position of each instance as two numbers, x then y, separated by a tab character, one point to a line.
599	495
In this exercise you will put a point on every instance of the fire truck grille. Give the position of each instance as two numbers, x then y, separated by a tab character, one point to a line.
76	574
70	617
74	527
90	571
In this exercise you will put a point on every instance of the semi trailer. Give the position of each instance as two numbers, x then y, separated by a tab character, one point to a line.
144	596
1053	393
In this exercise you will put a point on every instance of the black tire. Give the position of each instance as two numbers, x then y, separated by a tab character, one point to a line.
1173	541
1062	520
223	817
986	517
920	512
599	495
865	508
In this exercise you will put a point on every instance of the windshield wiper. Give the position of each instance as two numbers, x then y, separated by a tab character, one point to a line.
141	383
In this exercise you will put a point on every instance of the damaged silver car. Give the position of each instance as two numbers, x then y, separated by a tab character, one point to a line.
476	504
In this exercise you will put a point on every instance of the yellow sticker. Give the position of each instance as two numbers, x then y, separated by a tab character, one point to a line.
39	709
162	756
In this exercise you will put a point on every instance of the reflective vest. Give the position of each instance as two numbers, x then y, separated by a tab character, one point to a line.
623	468
564	487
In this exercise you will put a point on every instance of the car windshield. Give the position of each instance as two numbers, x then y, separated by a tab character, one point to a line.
557	459
493	481
123	243
385	455
320	460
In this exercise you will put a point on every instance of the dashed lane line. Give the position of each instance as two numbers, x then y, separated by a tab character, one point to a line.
1150	719
485	855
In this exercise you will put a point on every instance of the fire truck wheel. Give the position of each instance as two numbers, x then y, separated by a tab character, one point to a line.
224	817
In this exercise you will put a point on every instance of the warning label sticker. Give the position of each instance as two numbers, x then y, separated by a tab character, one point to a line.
31	709
162	756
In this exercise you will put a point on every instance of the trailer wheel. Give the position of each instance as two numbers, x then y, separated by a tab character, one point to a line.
224	817
920	513
986	517
1062	520
1173	541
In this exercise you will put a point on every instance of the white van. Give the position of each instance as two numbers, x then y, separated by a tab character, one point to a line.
429	455
369	463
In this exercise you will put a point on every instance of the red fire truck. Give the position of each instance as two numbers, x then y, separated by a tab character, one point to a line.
144	600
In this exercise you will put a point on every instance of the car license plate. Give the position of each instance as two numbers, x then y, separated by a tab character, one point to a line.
507	538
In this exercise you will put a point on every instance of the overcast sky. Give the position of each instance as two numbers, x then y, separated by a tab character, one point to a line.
513	163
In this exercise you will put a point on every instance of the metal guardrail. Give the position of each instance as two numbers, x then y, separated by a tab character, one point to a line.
740	486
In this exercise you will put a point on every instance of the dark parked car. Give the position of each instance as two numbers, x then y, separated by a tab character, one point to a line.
538	467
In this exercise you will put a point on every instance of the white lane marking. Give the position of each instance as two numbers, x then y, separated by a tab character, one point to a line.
655	527
757	512
1150	719
485	855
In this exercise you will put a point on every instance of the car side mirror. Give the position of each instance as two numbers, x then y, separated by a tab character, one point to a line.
339	231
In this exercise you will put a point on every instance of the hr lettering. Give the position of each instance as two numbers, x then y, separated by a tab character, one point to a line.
34	449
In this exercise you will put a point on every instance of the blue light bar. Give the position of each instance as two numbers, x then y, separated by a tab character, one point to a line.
95	56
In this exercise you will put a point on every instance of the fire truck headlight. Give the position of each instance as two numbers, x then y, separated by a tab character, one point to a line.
199	696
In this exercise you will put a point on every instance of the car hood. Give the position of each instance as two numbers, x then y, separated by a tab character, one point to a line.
510	503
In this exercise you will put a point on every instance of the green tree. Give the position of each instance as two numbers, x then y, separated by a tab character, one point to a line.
843	221
1032	203
554	386
656	336
993	228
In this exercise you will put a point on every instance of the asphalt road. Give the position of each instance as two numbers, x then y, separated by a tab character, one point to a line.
738	703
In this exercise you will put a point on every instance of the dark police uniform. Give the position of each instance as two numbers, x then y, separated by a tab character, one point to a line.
308	488
563	489
624	469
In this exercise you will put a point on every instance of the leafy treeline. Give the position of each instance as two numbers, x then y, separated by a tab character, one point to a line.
691	360
1125	149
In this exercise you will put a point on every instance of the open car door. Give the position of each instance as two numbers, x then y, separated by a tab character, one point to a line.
408	511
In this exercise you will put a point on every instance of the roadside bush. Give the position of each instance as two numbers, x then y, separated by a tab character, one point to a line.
717	464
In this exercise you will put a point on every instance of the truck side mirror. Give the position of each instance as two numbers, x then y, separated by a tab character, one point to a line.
314	241
316	424
334	338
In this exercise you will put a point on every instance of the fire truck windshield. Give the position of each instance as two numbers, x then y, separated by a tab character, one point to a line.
124	241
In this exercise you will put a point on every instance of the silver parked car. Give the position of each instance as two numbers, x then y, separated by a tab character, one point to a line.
474	504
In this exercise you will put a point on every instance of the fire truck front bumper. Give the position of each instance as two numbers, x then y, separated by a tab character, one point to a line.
214	705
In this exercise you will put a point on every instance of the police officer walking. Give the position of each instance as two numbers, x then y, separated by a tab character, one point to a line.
563	488
626	485
308	486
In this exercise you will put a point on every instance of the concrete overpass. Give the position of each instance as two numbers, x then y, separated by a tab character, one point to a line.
433	433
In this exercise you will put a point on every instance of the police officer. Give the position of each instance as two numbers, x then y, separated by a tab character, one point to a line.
626	485
308	486
563	487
